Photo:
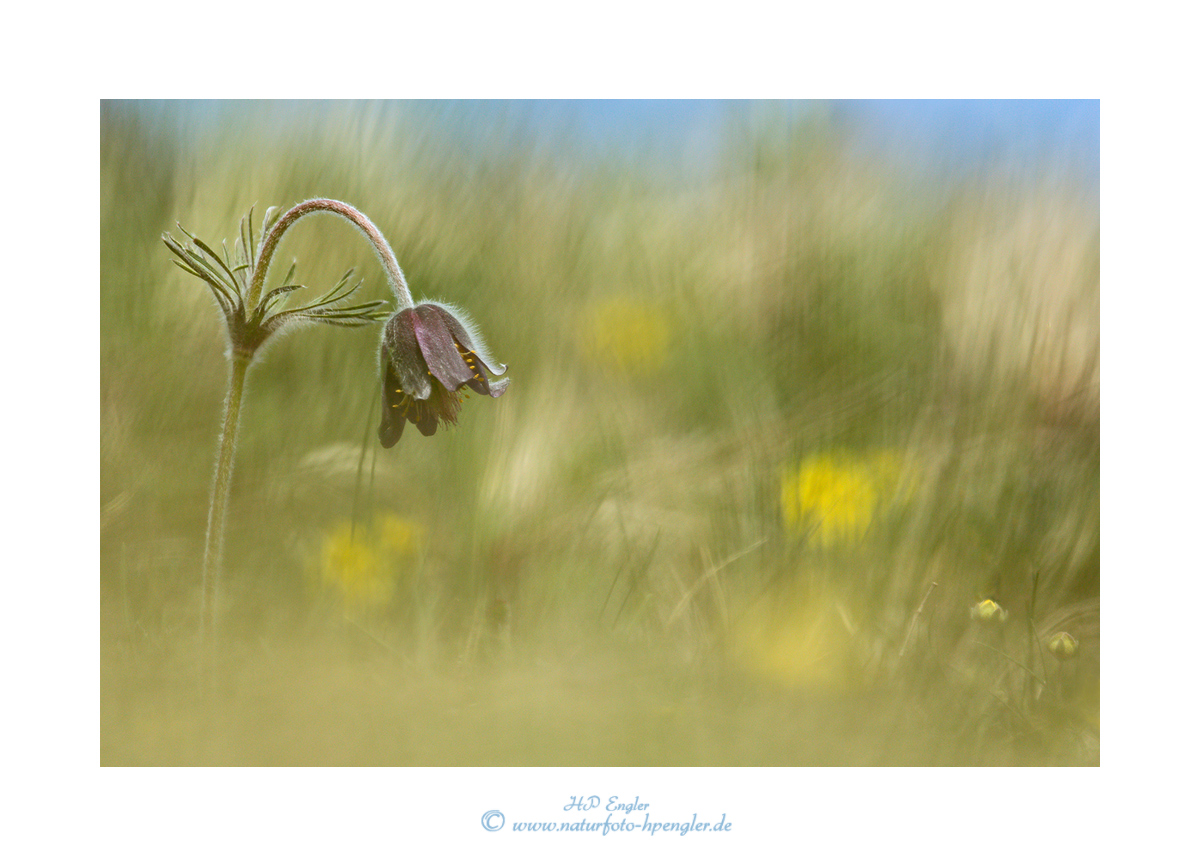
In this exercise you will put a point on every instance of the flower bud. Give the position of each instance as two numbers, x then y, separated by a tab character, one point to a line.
988	611
1063	645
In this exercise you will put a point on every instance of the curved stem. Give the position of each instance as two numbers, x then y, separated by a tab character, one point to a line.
383	250
215	535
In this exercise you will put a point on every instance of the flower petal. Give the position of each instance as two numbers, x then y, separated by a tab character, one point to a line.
463	330
438	347
479	380
427	423
404	352
393	415
488	388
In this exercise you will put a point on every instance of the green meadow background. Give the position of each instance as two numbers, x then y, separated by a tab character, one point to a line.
776	429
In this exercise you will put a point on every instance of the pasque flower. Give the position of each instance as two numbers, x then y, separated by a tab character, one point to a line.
252	318
429	353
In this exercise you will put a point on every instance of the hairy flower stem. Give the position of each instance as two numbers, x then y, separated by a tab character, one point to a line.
383	250
214	538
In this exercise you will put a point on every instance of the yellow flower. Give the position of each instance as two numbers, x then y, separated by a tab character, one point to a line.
836	496
626	335
988	611
364	563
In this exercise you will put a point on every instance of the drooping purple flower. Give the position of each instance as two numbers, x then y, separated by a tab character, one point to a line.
428	355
